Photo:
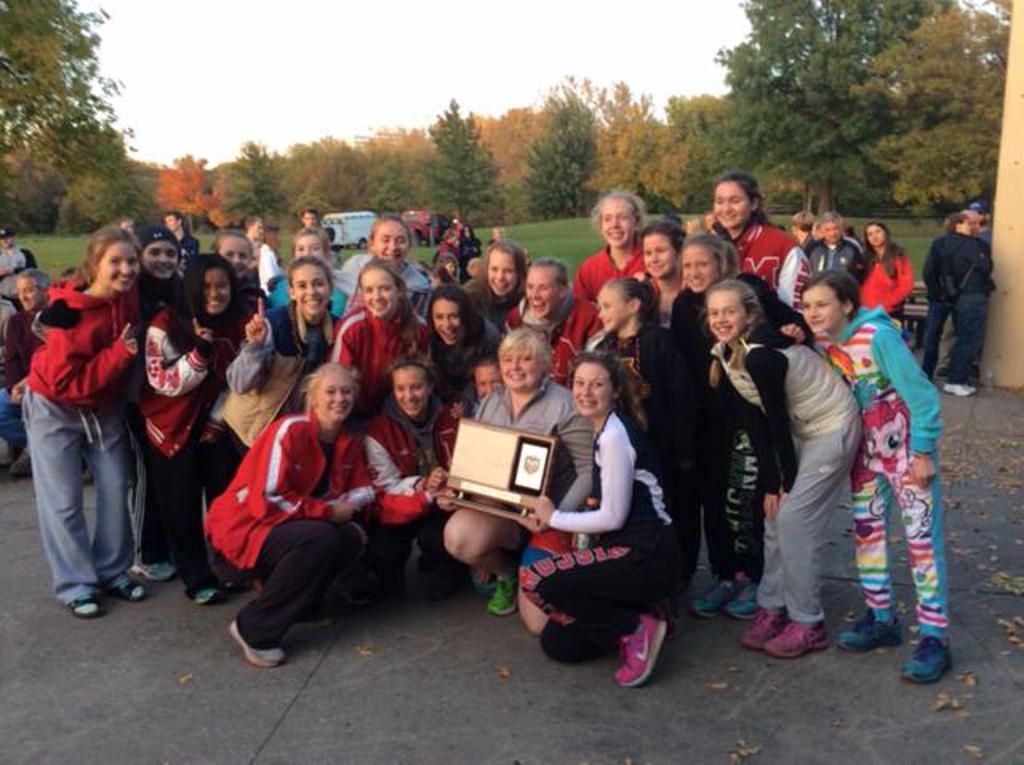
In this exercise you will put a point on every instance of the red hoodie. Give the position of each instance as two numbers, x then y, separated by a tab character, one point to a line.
879	289
85	365
599	269
364	342
399	503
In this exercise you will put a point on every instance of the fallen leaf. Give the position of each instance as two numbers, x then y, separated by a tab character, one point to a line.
732	668
944	701
838	722
504	673
364	650
968	678
974	750
187	678
718	686
742	751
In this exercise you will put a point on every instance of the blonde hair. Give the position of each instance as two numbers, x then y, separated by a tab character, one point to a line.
635	203
752	308
319	233
528	342
316	378
391	218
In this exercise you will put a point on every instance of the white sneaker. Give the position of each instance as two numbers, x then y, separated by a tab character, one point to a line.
959	390
264	658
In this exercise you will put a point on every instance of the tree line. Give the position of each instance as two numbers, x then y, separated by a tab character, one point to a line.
893	105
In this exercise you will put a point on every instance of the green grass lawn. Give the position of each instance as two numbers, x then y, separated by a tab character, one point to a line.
570	240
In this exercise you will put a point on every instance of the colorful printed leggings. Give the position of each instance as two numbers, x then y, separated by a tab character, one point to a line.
879	483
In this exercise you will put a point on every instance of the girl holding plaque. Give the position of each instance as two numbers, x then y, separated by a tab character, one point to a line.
601	596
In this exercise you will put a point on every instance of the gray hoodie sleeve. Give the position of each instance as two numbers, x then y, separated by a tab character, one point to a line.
251	365
576	435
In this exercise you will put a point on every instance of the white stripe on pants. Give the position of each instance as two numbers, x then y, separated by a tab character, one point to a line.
60	439
793	541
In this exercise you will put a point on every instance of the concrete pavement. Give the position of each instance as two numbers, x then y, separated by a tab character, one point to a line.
414	682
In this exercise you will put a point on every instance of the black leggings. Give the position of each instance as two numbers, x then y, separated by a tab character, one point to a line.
179	483
390	546
594	597
298	561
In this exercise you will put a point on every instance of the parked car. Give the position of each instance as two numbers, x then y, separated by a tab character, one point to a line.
428	227
351	229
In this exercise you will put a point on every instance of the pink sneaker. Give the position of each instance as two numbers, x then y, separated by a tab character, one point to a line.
796	640
639	652
766	625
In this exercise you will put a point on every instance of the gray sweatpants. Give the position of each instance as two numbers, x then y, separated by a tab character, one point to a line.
61	436
793	541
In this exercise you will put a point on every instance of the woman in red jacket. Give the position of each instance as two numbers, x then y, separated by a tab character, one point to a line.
73	410
618	216
409	448
764	250
890	274
286	517
385	328
189	347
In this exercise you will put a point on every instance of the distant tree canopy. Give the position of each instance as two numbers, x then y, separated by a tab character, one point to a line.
893	104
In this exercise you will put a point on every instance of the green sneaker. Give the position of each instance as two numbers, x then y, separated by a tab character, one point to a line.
931	660
717	596
503	601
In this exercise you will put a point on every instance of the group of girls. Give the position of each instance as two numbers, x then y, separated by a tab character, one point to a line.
319	438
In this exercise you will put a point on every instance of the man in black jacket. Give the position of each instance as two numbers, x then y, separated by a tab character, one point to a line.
958	277
833	250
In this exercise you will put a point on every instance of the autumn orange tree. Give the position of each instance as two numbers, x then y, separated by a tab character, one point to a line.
184	187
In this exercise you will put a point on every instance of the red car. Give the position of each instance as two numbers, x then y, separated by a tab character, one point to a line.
427	227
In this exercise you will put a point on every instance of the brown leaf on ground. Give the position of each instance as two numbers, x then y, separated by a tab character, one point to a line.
968	678
504	673
838	722
718	685
943	702
187	678
976	752
742	751
364	650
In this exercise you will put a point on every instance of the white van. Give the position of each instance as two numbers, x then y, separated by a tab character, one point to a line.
351	229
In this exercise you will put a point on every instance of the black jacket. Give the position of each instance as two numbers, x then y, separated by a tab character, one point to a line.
847	256
957	264
668	397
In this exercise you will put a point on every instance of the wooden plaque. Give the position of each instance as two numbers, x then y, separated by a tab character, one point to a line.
499	470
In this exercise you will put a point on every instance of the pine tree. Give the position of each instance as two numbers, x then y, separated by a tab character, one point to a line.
463	176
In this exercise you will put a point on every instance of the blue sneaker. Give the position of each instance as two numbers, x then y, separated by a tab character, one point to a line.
869	634
744	603
931	660
714	599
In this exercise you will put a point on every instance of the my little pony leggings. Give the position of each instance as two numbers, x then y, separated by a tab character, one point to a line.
880	479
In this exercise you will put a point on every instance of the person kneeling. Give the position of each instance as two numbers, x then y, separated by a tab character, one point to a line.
606	593
409	449
286	517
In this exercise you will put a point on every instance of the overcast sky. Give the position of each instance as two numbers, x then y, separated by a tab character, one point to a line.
201	77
